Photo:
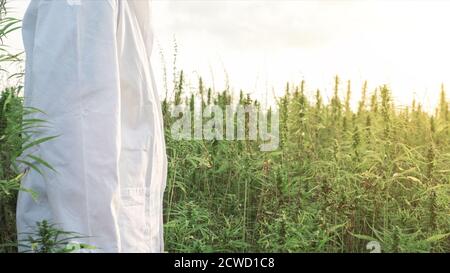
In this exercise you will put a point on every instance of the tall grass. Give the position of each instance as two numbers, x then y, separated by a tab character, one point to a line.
10	140
341	179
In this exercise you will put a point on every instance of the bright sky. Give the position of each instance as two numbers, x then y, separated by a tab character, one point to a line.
260	45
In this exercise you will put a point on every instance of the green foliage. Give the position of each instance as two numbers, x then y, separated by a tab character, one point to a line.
47	238
339	179
16	143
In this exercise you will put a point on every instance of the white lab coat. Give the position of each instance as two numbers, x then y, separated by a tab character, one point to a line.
88	68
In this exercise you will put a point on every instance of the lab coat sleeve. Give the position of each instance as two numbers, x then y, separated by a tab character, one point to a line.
74	67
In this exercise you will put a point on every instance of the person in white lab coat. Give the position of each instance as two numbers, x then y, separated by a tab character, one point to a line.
88	69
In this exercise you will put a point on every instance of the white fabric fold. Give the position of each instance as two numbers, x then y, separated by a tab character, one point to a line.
88	68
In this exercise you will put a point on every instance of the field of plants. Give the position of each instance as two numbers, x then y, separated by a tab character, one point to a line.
340	179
